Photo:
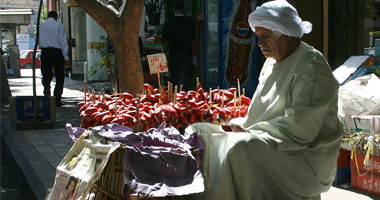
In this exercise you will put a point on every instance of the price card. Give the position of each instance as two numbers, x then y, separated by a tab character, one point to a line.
157	63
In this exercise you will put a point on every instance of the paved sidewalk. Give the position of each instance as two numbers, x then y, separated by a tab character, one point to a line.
35	154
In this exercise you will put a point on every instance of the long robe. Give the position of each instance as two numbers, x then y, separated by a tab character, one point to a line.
291	147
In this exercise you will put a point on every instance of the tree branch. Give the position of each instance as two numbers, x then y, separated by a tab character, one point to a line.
132	10
105	15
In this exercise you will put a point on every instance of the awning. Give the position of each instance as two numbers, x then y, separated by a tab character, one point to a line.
15	17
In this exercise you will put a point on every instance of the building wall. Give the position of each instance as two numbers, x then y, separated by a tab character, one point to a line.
19	4
312	11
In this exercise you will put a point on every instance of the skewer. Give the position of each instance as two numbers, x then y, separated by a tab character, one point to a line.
210	96
209	99
138	108
239	96
175	95
159	81
180	87
159	99
85	88
223	99
238	83
171	90
235	99
168	91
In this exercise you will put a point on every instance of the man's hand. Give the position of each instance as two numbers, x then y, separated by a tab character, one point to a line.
232	128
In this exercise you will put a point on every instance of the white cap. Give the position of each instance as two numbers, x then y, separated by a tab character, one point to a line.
279	16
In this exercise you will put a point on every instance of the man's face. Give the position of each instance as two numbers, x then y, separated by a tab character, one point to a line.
269	45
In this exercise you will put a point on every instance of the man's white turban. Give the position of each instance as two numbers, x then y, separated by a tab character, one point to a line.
279	16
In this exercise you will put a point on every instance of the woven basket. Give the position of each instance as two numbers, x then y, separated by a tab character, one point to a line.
109	186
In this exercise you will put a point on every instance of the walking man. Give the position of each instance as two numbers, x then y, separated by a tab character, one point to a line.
54	51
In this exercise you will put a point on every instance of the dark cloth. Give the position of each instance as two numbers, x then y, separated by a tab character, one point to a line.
179	32
180	68
52	58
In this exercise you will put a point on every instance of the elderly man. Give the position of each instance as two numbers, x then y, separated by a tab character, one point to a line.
287	145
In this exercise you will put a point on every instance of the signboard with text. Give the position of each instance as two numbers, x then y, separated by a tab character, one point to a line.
157	63
22	37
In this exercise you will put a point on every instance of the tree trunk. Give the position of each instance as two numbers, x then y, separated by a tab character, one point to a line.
122	27
129	64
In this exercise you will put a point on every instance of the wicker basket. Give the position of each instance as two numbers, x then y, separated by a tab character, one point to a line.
109	186
110	183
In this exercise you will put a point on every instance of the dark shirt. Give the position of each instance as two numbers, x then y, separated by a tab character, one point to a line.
179	31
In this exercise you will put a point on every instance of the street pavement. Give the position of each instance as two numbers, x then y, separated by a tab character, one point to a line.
35	154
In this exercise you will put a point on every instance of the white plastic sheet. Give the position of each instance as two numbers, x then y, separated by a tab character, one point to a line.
81	168
360	96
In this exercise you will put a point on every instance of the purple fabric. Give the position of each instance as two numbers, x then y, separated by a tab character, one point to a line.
74	132
157	163
164	164
113	129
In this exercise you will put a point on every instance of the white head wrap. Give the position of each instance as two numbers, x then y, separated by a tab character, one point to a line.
279	16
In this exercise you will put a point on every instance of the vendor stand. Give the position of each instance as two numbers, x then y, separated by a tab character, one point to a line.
121	131
359	110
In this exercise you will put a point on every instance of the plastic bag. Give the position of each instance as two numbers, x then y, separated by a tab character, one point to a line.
360	96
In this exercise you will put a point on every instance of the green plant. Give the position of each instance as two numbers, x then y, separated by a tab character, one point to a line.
101	50
43	17
153	6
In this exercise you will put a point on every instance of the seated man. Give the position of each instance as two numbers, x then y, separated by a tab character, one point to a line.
287	145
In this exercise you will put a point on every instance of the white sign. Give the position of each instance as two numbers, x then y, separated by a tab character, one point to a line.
157	63
22	37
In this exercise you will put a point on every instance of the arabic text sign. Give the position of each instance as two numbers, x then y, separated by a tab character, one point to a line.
157	63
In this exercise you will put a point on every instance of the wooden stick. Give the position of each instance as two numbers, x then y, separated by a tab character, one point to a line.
210	96
197	81
168	90
159	81
159	98
210	99
171	90
175	95
243	91
138	108
235	99
238	82
180	87
85	88
223	98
